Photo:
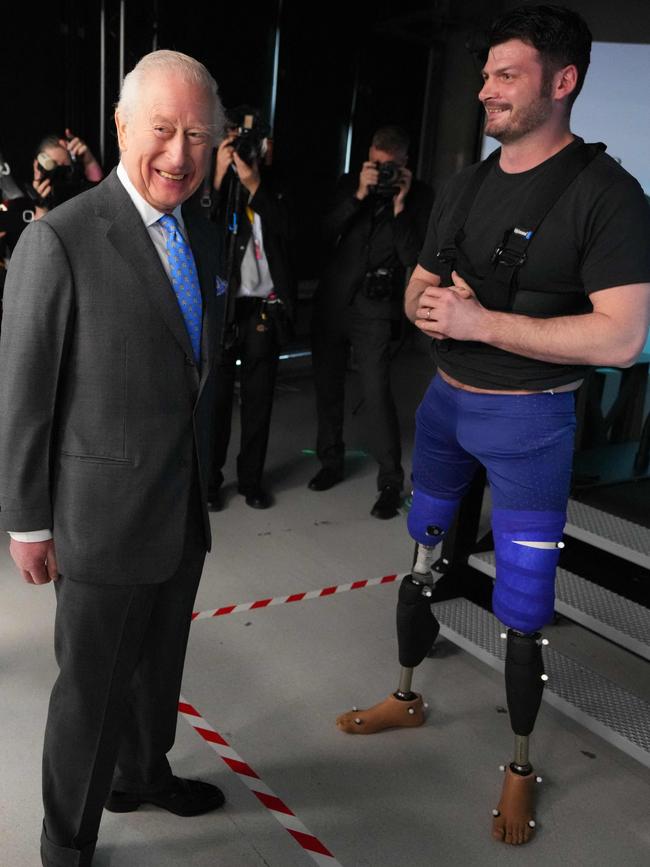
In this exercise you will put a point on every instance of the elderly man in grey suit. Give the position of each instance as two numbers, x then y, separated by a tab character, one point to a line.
110	328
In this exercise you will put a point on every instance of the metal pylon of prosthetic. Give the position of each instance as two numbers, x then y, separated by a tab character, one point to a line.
420	591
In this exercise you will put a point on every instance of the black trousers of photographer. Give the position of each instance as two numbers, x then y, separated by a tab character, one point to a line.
365	325
257	348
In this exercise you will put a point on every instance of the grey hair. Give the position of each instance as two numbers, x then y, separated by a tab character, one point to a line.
166	62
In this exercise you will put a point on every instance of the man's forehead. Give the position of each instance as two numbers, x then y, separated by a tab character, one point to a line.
514	52
162	93
387	156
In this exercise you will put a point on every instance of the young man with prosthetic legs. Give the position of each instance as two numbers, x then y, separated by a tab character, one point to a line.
536	266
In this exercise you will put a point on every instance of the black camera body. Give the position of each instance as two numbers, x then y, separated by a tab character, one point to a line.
250	146
251	141
66	181
15	215
388	181
378	285
16	208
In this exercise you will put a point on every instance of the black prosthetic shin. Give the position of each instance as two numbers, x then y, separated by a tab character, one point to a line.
417	628
524	684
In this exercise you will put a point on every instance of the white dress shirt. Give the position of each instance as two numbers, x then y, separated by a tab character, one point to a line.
256	281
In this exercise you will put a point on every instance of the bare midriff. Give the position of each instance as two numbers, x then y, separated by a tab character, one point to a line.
569	386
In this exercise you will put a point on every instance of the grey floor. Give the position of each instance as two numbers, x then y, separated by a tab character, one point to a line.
272	680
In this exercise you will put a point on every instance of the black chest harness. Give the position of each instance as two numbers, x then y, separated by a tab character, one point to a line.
499	289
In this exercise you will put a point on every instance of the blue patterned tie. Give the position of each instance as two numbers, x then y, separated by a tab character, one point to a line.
185	280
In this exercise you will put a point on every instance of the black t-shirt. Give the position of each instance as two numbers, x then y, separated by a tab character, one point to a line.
596	236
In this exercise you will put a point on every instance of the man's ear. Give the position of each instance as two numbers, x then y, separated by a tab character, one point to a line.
565	81
120	126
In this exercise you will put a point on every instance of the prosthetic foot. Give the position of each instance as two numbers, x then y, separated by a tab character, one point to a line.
513	820
392	712
417	629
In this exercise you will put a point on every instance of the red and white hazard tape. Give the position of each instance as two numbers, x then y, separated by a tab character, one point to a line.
289	821
295	597
310	844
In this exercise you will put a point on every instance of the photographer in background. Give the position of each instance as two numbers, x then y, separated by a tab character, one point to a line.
254	218
375	229
16	212
63	167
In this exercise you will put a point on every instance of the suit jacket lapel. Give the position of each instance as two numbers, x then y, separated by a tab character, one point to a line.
131	240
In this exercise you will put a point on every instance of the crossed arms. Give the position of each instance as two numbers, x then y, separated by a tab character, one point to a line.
614	333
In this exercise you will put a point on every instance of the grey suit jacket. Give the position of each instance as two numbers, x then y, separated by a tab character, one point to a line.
104	417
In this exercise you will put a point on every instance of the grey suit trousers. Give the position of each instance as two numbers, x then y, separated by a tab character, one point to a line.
113	710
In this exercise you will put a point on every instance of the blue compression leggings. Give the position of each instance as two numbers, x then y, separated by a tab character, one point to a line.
525	443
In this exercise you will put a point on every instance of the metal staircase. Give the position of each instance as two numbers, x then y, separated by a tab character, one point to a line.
602	706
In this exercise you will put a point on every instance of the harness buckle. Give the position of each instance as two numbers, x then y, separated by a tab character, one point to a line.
511	252
510	258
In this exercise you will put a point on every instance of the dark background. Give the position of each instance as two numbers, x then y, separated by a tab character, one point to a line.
405	61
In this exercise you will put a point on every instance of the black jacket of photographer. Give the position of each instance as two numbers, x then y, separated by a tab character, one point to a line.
362	236
270	203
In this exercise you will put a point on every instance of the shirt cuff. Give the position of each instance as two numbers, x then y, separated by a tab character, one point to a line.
31	536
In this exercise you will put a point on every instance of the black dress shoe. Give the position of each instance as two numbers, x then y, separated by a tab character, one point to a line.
256	498
388	503
325	479
183	797
215	501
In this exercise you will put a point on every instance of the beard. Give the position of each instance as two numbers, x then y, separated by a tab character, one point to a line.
525	120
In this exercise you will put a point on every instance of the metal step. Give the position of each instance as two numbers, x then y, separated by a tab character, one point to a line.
604	531
619	717
604	612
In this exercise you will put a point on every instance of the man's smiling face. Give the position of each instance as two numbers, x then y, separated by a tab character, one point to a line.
166	140
516	93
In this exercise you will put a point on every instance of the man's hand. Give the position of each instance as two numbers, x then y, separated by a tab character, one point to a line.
421	279
36	561
79	150
227	157
248	175
224	160
43	189
404	183
451	311
369	177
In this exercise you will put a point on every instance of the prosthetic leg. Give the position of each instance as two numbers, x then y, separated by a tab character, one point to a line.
417	628
527	548
513	820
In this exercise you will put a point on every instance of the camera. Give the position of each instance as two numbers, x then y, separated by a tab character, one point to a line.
66	181
15	214
388	181
16	209
251	142
377	285
249	145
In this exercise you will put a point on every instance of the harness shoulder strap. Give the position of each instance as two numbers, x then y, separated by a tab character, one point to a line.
564	172
499	288
453	237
